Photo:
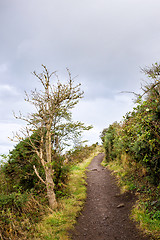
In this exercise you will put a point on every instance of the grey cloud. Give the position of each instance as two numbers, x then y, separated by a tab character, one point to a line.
104	42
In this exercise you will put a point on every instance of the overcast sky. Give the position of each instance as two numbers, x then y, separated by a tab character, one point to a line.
104	42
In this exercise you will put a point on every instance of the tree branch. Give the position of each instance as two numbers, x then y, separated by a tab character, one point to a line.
36	172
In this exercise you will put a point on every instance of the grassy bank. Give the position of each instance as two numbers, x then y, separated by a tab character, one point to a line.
133	177
56	225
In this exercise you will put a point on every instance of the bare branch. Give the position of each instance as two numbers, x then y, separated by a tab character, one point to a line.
51	122
36	172
136	94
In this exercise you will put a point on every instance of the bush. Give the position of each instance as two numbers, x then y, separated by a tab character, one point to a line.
139	133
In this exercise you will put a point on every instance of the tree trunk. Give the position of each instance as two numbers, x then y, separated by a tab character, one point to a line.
50	189
49	172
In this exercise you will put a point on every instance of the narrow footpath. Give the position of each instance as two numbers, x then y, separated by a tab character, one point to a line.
106	212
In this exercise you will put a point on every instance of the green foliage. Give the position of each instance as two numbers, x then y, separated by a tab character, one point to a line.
36	167
112	142
13	200
24	203
52	126
139	133
102	135
141	137
18	215
79	153
18	171
133	151
131	176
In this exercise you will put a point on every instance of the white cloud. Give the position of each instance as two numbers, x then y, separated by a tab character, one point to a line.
7	92
6	130
4	88
3	68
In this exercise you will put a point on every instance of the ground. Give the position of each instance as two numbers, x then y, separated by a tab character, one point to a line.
106	212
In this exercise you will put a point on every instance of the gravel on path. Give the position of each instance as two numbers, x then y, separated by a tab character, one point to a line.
106	212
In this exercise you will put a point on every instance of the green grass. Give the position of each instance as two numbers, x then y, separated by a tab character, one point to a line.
149	225
56	225
120	173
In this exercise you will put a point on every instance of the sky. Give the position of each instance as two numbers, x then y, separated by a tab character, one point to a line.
105	43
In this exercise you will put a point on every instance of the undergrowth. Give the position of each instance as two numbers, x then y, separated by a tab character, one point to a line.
22	207
19	214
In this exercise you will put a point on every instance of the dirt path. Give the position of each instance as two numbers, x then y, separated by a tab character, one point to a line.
101	218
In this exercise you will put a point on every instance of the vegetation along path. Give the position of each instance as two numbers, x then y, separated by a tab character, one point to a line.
106	211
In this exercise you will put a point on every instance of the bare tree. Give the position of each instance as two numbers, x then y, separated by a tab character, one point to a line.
52	122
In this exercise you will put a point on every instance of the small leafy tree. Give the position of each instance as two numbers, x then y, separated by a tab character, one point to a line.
108	137
52	122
